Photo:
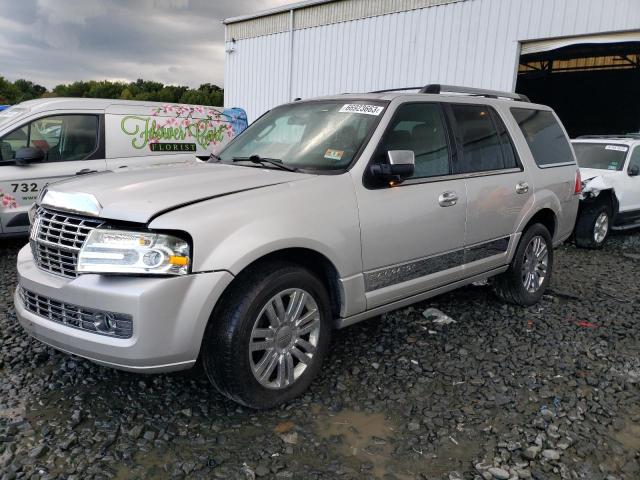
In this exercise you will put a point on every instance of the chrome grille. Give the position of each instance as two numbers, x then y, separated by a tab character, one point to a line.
111	324
56	239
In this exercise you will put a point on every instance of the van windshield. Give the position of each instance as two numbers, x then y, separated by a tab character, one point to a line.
315	135
601	156
10	113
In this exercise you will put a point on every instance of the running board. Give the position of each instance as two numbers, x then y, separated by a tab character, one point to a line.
348	321
626	227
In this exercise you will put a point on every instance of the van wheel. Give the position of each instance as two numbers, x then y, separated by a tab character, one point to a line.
593	227
267	341
529	274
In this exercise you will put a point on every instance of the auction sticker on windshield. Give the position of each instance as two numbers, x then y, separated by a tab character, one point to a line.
364	109
617	148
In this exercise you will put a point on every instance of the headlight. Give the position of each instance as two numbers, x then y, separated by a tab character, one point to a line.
119	251
32	213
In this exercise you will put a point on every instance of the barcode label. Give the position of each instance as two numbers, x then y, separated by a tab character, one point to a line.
364	109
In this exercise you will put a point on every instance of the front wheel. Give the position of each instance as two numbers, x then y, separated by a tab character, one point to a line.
268	340
529	274
593	226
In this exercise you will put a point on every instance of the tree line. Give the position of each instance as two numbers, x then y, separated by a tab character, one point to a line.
22	90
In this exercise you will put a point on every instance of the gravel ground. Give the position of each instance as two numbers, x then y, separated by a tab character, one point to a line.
550	391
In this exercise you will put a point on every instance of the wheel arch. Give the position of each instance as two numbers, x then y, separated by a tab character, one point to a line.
606	196
308	258
545	216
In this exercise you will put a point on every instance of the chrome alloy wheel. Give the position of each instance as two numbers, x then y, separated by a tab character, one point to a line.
601	228
284	338
535	264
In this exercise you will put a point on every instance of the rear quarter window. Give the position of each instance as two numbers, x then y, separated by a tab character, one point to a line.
546	139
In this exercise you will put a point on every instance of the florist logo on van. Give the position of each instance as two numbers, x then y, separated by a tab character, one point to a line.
171	133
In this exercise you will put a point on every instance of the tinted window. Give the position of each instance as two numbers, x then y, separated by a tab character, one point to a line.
60	137
635	158
481	146
509	155
600	155
546	139
420	127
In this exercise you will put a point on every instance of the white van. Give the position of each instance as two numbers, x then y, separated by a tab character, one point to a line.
46	140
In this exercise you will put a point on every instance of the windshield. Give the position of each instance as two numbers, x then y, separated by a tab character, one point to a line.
10	113
318	135
602	156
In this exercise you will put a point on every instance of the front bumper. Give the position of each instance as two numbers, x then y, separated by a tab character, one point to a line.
169	315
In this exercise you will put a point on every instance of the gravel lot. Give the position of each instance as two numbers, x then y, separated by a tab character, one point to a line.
546	392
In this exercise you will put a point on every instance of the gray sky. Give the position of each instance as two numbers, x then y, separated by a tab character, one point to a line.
169	41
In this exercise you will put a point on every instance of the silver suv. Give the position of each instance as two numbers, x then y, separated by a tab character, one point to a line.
321	214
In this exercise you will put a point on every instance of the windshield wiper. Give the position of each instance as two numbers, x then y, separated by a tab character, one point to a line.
213	158
261	161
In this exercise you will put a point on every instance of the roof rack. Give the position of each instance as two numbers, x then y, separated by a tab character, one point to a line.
436	88
634	136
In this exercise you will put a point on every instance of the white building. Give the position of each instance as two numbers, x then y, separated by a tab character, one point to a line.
580	56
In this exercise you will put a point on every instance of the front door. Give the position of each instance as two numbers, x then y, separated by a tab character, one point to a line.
71	146
413	233
629	194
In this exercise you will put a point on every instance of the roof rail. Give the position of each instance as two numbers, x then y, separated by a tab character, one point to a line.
436	88
397	89
477	92
634	136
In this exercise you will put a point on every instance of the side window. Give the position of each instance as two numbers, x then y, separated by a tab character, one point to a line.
548	143
11	143
480	142
509	154
420	127
60	137
635	158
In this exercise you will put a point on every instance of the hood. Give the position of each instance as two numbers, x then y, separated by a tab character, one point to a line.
588	173
141	194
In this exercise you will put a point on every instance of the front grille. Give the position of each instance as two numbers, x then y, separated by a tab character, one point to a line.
56	239
111	324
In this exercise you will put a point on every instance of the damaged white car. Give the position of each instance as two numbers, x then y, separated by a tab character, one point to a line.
610	200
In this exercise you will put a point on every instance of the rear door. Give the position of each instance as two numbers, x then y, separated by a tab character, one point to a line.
553	161
498	188
413	234
71	144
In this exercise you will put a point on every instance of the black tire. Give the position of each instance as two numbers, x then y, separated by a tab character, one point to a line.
225	347
509	286
585	233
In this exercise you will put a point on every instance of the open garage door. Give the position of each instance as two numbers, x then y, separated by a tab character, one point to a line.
592	82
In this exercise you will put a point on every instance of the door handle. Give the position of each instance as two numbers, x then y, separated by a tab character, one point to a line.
522	187
84	171
448	199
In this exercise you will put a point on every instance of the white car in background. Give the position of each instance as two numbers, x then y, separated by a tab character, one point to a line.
50	139
610	170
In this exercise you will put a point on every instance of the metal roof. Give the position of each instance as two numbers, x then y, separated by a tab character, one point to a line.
273	11
314	13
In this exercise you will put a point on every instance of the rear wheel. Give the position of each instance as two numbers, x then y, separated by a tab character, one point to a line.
268	339
530	271
593	227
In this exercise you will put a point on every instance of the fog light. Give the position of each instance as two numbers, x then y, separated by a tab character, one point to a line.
104	323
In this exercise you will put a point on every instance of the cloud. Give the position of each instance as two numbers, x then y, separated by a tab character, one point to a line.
170	41
71	11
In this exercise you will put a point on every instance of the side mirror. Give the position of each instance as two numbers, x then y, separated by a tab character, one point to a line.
634	171
400	167
27	155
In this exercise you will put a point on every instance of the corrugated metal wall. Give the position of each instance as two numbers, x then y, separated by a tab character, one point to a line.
473	43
